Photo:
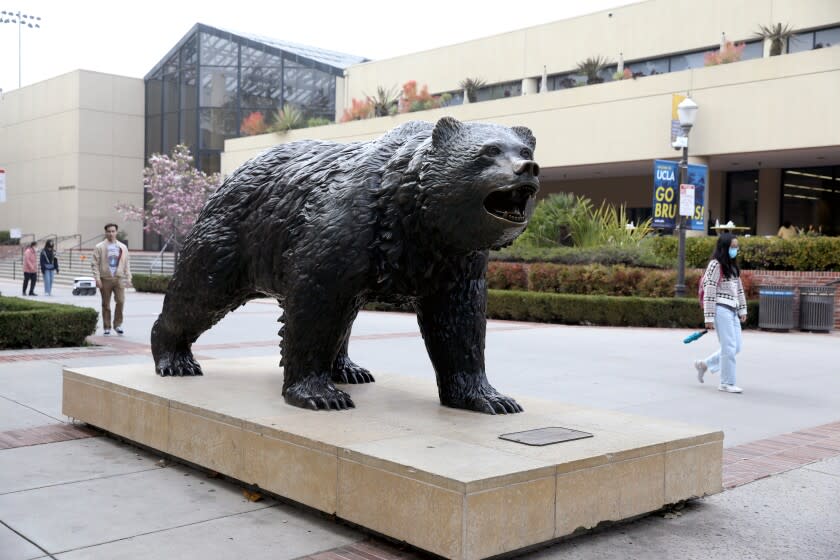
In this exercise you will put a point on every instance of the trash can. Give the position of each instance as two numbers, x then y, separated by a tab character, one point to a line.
816	308
775	307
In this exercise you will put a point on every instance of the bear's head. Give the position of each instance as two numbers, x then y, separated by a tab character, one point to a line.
478	183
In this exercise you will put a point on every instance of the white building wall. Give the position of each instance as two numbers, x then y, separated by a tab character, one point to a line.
72	147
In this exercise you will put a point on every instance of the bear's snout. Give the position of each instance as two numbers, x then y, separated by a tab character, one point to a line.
526	166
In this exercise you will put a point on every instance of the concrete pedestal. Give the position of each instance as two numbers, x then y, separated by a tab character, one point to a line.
400	464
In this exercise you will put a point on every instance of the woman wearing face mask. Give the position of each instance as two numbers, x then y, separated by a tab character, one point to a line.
724	309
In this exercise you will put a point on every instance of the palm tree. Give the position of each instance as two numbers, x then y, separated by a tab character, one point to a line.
471	86
385	102
287	118
592	67
777	34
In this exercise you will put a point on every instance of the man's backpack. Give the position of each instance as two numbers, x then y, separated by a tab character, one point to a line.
701	292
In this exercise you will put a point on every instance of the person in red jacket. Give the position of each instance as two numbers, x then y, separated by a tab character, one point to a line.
30	268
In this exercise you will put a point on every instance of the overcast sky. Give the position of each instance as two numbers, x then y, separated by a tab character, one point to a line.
130	37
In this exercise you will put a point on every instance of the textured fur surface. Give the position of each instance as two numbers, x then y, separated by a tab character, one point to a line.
325	227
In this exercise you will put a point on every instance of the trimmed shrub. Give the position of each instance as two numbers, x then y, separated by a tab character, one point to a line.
156	283
760	253
613	311
594	279
33	324
5	238
642	256
506	276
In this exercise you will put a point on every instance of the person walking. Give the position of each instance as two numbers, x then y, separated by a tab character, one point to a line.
49	266
112	272
30	269
724	309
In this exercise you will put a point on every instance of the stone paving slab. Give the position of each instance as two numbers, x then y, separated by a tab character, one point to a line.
275	533
39	466
81	514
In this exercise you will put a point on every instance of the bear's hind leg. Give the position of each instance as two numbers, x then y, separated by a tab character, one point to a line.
345	370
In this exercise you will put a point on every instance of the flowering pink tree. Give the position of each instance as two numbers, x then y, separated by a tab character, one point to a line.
176	194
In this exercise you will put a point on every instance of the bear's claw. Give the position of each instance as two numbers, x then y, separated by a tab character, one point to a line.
325	398
346	371
179	364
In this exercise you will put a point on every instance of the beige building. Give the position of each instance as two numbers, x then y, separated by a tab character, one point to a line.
72	148
768	127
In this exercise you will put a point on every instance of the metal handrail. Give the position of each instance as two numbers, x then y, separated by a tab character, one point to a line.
158	260
81	245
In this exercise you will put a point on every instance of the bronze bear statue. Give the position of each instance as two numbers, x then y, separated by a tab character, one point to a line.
326	227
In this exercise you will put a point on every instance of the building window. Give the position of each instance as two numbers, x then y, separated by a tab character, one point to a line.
811	199
742	199
811	40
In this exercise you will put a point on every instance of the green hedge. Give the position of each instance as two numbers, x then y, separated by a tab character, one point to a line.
33	324
156	283
642	255
594	279
760	253
613	311
6	240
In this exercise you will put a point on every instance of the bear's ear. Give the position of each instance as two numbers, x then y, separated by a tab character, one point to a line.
526	135
446	128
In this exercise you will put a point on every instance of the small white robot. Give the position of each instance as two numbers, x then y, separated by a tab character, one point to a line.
84	286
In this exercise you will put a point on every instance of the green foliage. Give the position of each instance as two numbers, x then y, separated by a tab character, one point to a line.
5	238
613	280
802	253
287	118
640	255
33	324
592	67
317	121
778	35
566	219
156	283
594	310
601	310
471	86
384	103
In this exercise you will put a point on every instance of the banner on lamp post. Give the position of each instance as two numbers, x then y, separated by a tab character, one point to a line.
667	196
2	185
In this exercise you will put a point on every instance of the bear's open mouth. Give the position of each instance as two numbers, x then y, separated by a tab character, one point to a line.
509	203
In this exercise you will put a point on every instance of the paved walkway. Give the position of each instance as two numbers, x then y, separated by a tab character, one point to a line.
67	492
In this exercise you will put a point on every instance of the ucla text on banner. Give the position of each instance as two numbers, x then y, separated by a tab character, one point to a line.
666	194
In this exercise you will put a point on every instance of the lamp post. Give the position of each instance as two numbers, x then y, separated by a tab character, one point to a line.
687	111
21	20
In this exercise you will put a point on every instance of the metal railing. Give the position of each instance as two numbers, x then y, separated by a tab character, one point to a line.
158	260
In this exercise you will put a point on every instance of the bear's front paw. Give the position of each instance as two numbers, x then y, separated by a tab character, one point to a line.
318	397
346	371
178	364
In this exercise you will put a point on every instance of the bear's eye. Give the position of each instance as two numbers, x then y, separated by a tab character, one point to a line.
526	153
491	151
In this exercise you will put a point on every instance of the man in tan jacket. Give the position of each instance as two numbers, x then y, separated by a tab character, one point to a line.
112	272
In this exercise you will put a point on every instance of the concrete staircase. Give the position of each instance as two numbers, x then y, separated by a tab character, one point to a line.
75	263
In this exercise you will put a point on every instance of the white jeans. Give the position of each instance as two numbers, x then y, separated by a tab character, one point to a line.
728	328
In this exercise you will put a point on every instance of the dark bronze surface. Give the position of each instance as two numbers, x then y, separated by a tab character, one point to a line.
546	436
326	227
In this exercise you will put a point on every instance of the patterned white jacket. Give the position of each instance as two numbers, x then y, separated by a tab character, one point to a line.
718	290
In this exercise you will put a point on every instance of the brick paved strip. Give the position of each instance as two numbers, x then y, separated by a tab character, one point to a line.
50	433
752	461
